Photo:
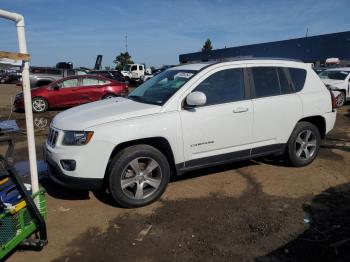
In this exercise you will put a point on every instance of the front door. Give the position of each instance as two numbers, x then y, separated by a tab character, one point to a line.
64	94
222	128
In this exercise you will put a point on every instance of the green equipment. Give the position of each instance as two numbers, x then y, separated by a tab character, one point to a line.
24	224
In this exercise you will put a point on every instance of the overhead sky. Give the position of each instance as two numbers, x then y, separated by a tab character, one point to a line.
159	30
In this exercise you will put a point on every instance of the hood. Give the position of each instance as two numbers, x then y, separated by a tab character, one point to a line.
101	112
34	91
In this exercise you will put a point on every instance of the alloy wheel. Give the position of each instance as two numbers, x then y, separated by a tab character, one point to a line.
340	99
305	145
39	105
141	178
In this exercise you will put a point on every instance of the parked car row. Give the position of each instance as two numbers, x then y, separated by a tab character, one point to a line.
9	78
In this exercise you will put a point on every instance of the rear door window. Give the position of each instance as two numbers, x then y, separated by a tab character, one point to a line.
90	81
266	81
284	84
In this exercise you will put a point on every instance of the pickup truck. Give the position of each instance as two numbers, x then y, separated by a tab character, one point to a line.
135	72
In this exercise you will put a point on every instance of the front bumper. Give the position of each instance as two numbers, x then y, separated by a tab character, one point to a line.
18	104
56	175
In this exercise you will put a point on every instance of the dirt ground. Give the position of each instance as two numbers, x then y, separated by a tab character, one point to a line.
259	210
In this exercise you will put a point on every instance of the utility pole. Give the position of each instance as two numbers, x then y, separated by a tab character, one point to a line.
126	42
307	31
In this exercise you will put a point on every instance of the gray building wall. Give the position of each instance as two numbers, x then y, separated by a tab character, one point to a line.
308	49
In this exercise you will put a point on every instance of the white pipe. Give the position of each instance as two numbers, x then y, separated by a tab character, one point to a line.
27	96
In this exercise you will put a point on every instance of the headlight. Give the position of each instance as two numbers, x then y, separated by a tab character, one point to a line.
76	138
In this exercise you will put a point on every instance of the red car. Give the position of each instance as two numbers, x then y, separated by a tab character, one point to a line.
72	91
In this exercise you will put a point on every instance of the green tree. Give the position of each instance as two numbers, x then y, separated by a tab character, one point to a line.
207	46
122	60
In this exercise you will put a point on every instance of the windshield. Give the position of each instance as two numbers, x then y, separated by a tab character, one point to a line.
334	74
160	88
126	68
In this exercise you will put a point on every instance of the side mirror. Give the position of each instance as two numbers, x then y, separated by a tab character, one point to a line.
55	87
196	99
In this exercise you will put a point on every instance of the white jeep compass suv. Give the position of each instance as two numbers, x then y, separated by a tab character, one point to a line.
189	117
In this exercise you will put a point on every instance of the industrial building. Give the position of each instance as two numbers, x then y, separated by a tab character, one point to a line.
311	49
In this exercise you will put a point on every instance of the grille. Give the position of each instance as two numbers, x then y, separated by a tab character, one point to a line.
52	137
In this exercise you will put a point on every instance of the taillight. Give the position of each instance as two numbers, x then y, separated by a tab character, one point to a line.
334	101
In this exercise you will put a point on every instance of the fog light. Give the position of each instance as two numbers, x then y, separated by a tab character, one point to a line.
68	165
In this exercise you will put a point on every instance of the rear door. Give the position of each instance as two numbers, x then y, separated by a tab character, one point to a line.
90	89
276	108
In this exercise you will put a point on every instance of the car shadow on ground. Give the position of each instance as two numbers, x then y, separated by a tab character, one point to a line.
328	235
56	191
106	197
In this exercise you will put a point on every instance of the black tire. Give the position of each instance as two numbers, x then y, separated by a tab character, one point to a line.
39	105
296	152
341	98
120	167
107	96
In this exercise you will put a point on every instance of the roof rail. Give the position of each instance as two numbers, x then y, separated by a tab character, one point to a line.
239	58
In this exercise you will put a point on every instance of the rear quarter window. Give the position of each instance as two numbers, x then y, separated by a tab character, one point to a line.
298	77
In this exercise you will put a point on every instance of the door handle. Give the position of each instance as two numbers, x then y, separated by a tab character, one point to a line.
240	109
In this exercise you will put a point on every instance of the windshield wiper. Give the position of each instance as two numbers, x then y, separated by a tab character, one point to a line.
136	98
143	100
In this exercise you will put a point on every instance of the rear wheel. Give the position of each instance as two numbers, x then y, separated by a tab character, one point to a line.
138	175
340	100
39	105
303	144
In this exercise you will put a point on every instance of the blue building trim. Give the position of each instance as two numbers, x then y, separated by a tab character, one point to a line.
307	49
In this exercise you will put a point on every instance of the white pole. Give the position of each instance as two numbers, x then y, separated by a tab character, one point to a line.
27	96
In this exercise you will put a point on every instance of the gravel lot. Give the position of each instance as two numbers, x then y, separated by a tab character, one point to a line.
257	210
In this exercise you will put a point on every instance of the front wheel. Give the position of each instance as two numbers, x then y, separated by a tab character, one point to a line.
303	144
138	175
39	105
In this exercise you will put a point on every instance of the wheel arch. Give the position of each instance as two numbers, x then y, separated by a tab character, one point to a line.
42	97
107	94
318	121
160	143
